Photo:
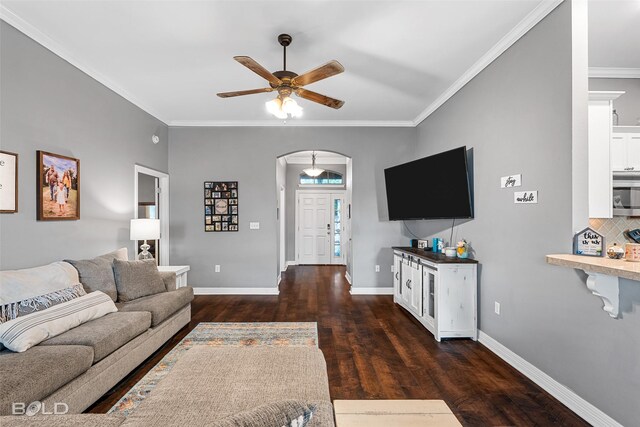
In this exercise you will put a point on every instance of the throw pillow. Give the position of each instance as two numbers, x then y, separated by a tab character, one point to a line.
286	413
13	310
26	331
97	274
137	279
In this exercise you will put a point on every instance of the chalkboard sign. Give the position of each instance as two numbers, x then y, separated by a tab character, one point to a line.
588	242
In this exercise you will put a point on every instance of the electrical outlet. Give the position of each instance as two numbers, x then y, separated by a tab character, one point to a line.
217	268
497	308
377	269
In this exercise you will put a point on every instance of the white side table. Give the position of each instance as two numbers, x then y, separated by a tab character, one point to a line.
181	273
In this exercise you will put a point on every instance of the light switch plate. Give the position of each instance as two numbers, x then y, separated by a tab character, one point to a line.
254	226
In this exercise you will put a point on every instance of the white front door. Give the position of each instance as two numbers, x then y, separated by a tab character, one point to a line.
314	228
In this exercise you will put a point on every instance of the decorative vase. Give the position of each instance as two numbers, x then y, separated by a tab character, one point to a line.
462	249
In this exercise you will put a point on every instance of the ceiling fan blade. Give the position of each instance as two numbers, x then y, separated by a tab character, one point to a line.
320	99
258	69
329	69
244	92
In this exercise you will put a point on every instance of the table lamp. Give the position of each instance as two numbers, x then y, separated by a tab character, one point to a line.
145	229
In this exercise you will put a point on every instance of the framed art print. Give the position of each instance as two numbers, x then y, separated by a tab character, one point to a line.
8	182
58	191
220	206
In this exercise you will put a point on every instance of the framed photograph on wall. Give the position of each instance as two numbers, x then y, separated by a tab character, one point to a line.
220	206
8	182
58	191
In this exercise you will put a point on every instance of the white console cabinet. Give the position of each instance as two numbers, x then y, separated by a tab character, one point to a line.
440	292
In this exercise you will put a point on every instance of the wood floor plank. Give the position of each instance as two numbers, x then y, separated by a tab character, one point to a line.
374	349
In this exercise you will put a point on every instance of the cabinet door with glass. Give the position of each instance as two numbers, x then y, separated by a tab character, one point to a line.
429	278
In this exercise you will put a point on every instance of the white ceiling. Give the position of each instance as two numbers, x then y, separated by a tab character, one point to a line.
614	33
402	58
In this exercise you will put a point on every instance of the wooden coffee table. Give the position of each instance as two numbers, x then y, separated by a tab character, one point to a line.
391	413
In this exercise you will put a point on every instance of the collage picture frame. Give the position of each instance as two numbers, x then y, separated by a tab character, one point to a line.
221	206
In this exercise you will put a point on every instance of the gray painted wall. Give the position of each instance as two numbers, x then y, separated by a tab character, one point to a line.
628	105
248	155
47	104
516	115
293	179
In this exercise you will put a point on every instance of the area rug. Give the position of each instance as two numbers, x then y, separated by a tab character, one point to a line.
274	334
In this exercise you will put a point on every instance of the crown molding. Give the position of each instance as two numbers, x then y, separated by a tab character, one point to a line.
8	16
614	73
291	123
529	21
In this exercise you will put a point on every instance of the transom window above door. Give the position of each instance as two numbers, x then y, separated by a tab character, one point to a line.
325	178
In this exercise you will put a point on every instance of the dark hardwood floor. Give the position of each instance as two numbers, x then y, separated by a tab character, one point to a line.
375	350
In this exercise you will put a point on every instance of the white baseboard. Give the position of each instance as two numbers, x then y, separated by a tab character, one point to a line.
236	291
279	279
290	263
568	397
371	291
348	277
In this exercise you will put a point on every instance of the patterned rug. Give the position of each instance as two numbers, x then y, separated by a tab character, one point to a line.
276	334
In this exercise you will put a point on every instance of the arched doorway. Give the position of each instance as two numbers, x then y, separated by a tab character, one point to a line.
314	211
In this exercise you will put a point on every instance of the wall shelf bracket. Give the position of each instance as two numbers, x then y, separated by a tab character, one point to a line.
607	288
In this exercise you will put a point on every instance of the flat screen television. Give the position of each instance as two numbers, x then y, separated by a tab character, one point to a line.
433	187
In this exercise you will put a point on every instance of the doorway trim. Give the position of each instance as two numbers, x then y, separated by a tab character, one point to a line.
282	208
328	191
163	198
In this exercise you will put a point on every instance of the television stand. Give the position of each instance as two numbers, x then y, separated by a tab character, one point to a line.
440	292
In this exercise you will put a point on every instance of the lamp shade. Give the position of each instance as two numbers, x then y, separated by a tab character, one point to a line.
145	229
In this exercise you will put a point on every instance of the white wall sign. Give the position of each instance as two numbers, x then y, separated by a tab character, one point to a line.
8	182
525	197
511	181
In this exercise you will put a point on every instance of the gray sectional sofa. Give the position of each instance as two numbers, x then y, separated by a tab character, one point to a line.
81	365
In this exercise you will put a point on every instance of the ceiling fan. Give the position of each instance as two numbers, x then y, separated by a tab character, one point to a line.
287	82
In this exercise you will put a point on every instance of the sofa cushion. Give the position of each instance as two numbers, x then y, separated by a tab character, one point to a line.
24	332
75	420
137	279
97	274
222	381
286	413
106	334
39	371
161	306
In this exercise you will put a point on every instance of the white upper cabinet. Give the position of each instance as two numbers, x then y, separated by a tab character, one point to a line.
625	150
603	153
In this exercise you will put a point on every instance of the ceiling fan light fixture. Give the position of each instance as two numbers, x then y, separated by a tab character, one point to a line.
313	171
275	107
291	107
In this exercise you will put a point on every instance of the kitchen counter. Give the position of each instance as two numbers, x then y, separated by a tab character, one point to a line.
435	258
602	265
